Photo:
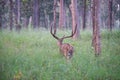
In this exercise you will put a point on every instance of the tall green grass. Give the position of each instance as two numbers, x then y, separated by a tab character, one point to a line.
34	55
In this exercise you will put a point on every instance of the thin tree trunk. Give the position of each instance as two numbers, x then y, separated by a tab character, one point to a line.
96	29
17	17
35	14
2	6
30	22
73	8
93	23
62	15
110	14
45	18
11	14
84	15
54	15
0	22
18	11
26	22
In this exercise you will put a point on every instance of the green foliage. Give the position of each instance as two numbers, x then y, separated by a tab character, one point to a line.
34	55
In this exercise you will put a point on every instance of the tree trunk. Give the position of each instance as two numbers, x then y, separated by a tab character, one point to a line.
30	22
35	13
84	15
110	14
18	11
46	19
74	11
0	21
62	15
54	15
17	16
26	22
11	14
93	23
96	29
2	6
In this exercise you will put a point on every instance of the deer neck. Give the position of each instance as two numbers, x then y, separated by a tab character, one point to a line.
59	43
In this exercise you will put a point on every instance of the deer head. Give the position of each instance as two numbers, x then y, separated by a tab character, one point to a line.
65	48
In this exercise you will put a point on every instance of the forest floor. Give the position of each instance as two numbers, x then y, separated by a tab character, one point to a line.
34	55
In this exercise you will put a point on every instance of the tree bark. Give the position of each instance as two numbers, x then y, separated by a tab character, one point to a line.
46	19
93	23
35	13
17	15
54	15
62	15
2	6
84	15
30	22
110	14
74	11
11	14
0	22
96	29
25	22
18	11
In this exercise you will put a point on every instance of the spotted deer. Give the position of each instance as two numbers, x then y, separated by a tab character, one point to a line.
65	48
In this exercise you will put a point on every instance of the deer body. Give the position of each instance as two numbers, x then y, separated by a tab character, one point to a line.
65	48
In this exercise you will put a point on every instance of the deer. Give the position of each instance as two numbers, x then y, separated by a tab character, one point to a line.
65	48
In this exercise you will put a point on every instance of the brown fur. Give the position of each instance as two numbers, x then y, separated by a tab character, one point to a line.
67	50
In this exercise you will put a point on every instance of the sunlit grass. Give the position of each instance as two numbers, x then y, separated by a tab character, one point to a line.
34	55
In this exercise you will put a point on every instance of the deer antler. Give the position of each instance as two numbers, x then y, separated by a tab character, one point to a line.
52	33
65	48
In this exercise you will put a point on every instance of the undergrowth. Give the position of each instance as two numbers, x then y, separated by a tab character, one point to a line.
34	55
